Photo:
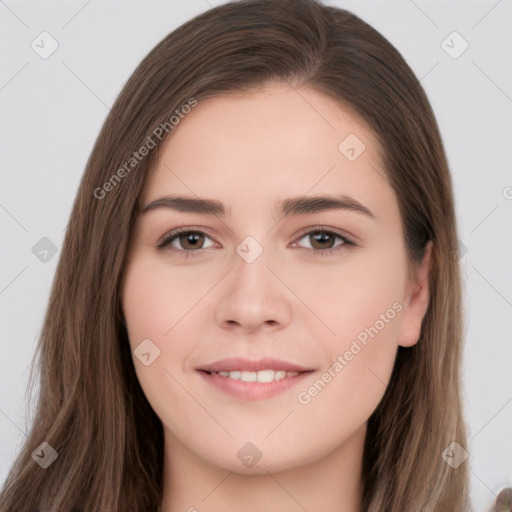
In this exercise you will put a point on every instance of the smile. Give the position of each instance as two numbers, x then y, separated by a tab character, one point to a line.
261	376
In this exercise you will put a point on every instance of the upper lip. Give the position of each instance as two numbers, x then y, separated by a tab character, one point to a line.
238	363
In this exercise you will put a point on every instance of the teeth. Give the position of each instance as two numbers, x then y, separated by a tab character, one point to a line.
249	376
261	376
265	375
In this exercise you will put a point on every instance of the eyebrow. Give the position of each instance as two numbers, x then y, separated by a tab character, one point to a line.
284	208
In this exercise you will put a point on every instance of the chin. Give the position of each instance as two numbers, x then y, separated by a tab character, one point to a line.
260	457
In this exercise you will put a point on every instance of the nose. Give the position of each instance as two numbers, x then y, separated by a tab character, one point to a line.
254	296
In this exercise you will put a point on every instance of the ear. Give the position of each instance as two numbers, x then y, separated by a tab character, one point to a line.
416	300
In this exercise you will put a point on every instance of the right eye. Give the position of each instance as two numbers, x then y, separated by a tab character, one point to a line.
189	240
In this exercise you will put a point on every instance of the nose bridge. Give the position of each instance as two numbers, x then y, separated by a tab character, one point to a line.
251	269
252	295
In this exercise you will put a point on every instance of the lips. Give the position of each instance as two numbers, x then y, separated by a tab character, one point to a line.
240	364
253	380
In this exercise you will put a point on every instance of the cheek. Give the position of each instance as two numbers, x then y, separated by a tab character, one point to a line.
361	305
155	307
347	390
339	400
351	295
156	299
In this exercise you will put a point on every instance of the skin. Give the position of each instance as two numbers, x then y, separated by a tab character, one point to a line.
249	150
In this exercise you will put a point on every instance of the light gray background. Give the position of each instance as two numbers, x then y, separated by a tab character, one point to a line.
51	111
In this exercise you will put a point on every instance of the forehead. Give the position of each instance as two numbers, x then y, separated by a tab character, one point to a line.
253	119
273	142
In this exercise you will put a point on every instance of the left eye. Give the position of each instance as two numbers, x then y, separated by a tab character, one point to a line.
323	239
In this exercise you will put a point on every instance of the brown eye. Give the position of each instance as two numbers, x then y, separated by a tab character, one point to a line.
324	242
322	239
184	241
191	240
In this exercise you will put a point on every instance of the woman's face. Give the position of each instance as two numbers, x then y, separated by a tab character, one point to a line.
272	283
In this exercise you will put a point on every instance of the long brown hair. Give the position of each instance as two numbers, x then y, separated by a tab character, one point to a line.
91	408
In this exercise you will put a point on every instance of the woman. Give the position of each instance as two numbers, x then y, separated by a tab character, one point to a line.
195	353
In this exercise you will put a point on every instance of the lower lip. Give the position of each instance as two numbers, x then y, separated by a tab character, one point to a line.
252	390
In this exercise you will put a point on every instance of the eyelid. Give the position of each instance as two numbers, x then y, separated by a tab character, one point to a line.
183	229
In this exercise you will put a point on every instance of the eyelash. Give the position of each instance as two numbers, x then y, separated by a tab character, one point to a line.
166	240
